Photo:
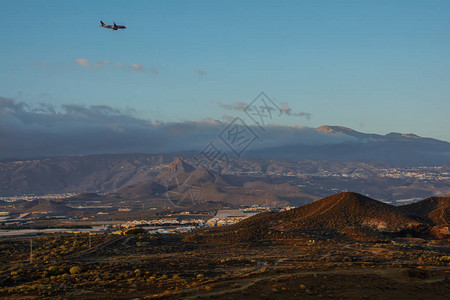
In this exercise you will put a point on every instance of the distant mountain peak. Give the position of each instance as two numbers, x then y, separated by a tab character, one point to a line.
334	129
402	135
179	165
343	130
393	136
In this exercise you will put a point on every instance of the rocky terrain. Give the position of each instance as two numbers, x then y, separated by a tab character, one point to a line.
344	215
147	176
345	246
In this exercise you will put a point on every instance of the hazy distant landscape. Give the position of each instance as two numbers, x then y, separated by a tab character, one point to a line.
155	225
311	178
215	149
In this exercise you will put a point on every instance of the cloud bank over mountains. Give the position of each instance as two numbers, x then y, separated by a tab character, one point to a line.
284	109
45	130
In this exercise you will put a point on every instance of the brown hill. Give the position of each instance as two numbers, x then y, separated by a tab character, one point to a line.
179	171
347	209
103	173
344	213
184	184
46	206
85	197
179	166
146	190
179	177
436	210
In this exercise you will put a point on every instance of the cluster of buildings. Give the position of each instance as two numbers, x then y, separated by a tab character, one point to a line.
161	222
164	225
34	197
419	173
174	225
232	216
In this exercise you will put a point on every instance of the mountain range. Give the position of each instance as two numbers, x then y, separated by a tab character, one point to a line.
249	180
296	142
182	183
393	148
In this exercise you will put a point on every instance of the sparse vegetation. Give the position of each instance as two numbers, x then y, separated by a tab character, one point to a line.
136	231
270	255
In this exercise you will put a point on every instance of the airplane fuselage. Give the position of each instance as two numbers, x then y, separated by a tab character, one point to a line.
113	27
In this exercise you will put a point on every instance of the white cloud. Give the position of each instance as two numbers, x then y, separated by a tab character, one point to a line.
82	62
85	63
138	67
285	108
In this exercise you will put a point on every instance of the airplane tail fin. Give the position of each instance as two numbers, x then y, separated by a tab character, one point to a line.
101	22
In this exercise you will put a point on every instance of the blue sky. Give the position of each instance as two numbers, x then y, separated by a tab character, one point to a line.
375	67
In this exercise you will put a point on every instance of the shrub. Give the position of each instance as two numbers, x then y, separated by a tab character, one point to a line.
176	277
136	231
75	270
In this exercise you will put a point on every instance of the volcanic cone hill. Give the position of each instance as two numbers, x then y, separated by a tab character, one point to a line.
184	184
435	210
344	213
46	206
144	190
178	173
85	197
181	170
179	166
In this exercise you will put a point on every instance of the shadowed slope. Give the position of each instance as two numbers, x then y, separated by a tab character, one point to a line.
435	210
339	213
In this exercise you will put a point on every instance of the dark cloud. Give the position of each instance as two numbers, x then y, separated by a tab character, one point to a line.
44	130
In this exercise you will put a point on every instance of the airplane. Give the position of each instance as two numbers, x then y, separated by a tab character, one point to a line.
113	27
